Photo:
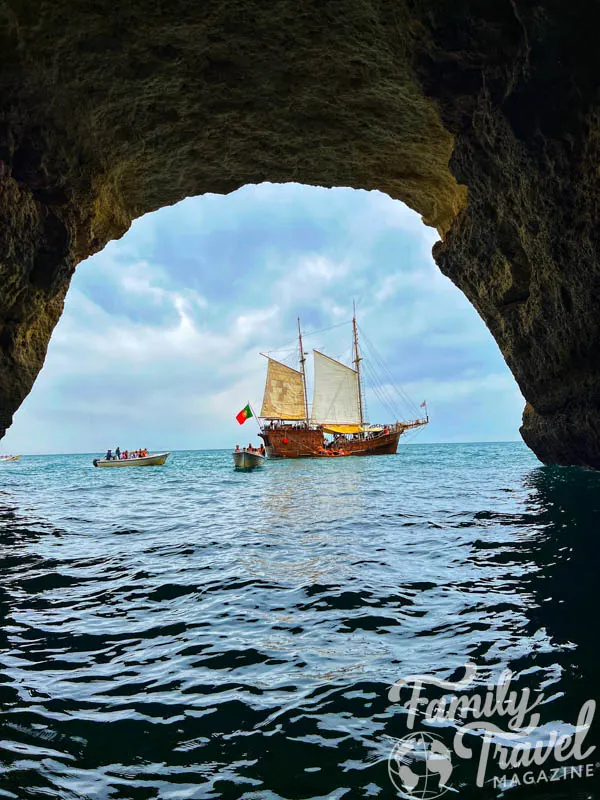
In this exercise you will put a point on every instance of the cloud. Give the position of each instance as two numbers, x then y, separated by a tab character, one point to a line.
160	337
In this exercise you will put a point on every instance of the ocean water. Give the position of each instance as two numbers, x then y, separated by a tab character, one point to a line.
193	632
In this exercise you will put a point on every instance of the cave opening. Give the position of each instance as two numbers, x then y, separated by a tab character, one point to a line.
162	328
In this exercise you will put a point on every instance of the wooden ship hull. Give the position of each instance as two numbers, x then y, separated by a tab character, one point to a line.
378	443
384	444
286	442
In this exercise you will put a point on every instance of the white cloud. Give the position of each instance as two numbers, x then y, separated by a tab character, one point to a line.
308	277
254	322
462	389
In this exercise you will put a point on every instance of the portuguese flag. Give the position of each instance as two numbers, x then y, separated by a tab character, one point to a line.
244	414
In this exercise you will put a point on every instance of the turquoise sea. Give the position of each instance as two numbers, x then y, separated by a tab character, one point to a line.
192	632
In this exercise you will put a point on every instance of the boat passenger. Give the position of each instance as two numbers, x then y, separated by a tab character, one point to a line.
118	452
109	455
262	449
237	448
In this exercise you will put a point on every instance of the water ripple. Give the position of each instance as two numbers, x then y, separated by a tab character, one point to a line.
192	632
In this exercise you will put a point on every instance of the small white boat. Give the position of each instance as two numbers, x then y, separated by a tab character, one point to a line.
245	459
151	460
9	458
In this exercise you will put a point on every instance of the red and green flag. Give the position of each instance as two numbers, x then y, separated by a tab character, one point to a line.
244	414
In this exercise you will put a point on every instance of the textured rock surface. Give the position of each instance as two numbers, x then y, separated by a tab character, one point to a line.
111	110
519	90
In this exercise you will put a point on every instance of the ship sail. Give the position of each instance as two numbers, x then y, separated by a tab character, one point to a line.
338	409
284	393
336	393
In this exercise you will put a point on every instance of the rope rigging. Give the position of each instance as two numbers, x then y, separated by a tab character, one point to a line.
377	359
371	369
292	346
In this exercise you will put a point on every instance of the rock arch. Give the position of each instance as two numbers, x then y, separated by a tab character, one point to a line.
483	117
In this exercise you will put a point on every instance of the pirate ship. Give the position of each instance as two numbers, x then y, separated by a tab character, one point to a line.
338	410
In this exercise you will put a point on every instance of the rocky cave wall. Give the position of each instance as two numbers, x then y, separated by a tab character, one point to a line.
481	116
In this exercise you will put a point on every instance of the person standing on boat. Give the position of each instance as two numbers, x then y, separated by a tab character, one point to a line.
109	454
118	452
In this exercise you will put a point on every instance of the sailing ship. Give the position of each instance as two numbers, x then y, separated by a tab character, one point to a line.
338	410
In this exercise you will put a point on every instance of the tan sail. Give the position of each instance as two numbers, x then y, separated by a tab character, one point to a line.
335	396
284	393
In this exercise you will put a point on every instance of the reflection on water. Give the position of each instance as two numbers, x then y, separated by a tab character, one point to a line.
302	511
191	632
318	492
565	582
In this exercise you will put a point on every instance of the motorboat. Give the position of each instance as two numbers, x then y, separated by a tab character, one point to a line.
151	460
246	459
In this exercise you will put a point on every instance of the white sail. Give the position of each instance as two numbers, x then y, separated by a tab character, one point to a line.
284	393
335	396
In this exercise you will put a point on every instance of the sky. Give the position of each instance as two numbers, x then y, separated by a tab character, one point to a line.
159	342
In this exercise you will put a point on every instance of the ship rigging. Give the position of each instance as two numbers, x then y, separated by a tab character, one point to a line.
290	430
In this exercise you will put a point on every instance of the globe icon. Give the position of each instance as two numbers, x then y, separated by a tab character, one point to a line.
420	766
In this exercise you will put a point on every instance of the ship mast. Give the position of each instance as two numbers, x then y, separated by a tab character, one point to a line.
357	360
302	363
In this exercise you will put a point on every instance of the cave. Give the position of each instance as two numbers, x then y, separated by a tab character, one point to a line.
482	117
